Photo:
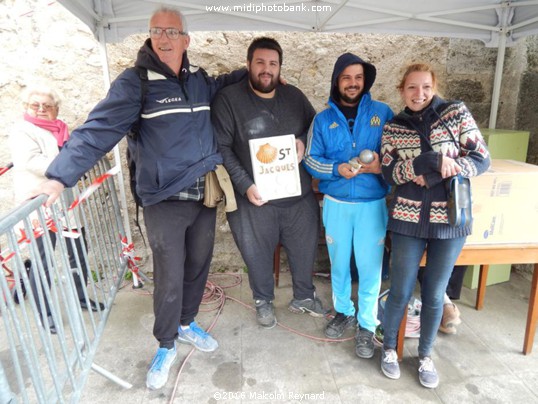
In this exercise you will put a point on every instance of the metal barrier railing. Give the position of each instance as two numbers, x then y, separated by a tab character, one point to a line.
48	342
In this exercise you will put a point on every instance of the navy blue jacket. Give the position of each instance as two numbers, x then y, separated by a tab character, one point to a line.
175	145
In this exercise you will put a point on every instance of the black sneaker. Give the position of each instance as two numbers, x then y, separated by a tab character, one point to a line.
365	343
49	325
93	305
265	313
339	324
312	306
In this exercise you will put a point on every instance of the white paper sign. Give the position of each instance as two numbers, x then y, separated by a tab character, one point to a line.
275	167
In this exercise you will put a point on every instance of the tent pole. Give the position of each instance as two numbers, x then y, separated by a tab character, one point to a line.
117	157
501	50
104	57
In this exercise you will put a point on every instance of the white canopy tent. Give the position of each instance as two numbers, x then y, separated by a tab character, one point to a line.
497	23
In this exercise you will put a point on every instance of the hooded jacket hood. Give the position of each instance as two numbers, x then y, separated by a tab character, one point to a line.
344	61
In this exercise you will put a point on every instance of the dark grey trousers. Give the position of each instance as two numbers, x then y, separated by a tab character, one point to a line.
181	236
257	231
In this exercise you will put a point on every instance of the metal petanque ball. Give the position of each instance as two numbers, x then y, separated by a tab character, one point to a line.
366	156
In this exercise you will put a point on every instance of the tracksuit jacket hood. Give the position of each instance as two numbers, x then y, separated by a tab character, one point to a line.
344	61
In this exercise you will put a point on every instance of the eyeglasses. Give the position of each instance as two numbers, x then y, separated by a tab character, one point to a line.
36	106
171	33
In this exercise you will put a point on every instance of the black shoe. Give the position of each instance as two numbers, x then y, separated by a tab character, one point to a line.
49	324
339	324
265	313
93	305
364	347
312	306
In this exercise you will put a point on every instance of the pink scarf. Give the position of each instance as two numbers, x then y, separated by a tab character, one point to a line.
57	127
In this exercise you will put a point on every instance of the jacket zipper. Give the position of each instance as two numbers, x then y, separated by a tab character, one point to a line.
354	147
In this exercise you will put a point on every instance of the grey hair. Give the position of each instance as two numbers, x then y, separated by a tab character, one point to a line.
40	90
174	11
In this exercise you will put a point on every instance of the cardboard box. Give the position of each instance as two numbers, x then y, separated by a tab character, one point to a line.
502	144
505	204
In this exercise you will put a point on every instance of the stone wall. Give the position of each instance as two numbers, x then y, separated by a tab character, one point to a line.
527	111
43	42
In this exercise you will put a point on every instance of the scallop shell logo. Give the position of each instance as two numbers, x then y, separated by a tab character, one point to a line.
266	153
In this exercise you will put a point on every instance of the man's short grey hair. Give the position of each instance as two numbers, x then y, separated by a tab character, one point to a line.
171	10
40	90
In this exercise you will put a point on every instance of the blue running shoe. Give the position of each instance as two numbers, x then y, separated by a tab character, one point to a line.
389	363
160	368
194	335
427	374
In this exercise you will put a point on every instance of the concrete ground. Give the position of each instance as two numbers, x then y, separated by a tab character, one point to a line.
483	363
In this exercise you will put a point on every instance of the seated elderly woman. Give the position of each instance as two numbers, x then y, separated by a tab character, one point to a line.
34	142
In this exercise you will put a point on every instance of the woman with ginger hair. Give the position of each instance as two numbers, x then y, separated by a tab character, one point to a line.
429	141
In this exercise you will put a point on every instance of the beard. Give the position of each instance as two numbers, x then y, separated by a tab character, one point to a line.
351	100
256	83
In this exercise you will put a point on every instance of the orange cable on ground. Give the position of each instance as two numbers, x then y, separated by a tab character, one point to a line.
215	295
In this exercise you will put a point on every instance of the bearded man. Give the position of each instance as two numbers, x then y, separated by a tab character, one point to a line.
258	107
354	207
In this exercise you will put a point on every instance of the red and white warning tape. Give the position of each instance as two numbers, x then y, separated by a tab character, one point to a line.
94	186
127	252
38	231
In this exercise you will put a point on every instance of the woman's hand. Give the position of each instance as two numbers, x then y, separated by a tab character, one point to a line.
449	167
420	181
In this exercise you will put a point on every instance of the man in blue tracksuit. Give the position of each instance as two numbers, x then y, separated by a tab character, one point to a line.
354	209
174	150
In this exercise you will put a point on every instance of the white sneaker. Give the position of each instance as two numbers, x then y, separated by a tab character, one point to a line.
389	363
197	337
160	368
427	374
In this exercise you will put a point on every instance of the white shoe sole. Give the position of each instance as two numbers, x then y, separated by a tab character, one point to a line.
268	326
301	310
390	375
189	342
429	386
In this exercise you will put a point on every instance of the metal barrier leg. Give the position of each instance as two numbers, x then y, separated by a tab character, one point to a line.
111	377
6	395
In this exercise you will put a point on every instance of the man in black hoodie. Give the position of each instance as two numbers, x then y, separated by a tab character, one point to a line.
174	150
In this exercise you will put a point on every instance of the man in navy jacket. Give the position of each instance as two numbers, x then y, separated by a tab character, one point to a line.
174	150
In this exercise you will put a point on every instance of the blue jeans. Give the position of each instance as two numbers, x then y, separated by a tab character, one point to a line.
406	255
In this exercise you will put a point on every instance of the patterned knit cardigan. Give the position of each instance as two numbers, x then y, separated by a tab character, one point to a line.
450	130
